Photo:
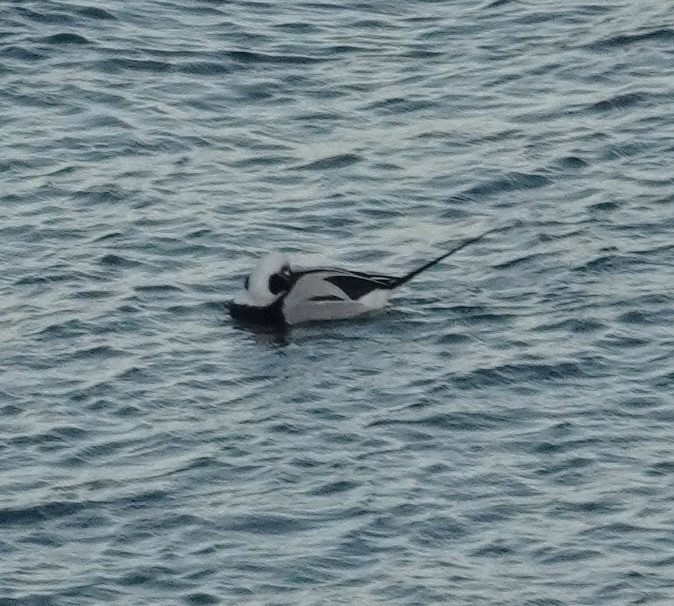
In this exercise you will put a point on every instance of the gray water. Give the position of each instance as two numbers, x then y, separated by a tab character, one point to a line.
502	434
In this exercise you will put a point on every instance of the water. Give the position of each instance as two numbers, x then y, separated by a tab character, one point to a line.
502	434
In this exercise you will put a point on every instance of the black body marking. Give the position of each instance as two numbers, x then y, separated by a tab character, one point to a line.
326	298
271	315
354	286
278	283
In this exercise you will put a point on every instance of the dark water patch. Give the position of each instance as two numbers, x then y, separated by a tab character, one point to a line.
539	17
492	513
459	199
100	451
458	421
31	280
202	462
262	161
94	12
372	23
651	299
332	162
525	260
285	428
204	68
157	143
380	213
66	329
608	206
112	260
201	599
618	151
202	232
343	49
91	294
65	170
42	539
155	577
119	65
472	316
386	166
662	468
297	27
332	488
499	3
511	182
570	554
569	470
648	317
149	497
569	509
196	308
613	341
423	53
399	105
158	288
437	530
35	514
65	38
610	263
14	165
575	325
453	339
494	550
250	57
614	529
134	374
20	53
101	351
501	135
45	16
107	122
127	308
550	231
660	35
265	524
622	101
643	402
115	235
108	193
572	163
92	591
9	410
61	434
511	374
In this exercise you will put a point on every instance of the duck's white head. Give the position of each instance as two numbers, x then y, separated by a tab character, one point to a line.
267	283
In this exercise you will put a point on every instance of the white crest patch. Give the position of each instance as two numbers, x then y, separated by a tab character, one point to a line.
258	294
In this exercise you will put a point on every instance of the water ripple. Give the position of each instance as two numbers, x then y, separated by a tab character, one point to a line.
500	434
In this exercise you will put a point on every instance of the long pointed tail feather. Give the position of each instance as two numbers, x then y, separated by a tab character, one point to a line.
425	266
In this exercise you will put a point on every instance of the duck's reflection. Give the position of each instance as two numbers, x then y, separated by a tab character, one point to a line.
269	336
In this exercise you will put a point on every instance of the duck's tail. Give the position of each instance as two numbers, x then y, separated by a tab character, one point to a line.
425	266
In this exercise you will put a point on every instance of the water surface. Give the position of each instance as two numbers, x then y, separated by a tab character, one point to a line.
502	434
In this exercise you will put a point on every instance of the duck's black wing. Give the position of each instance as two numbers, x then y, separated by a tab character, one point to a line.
354	284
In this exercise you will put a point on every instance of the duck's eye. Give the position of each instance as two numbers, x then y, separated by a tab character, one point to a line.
277	283
246	282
